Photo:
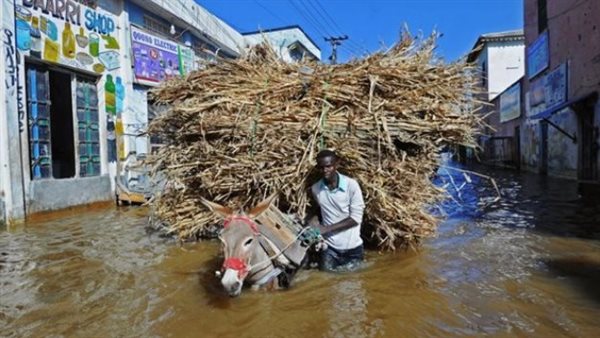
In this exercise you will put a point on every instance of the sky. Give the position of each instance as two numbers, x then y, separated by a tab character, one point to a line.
375	24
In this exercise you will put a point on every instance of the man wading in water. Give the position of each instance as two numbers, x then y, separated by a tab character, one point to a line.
341	205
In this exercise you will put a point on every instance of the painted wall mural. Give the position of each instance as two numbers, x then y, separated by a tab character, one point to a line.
68	33
157	59
530	144
114	94
562	151
137	121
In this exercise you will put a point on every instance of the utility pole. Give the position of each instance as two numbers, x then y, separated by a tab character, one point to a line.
335	41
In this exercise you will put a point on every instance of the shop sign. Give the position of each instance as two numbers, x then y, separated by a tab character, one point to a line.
68	33
537	55
555	88
157	59
188	60
510	103
535	100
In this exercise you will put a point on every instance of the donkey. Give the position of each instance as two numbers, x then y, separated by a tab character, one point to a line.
247	257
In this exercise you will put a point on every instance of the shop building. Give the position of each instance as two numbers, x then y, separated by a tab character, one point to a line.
500	62
503	144
77	76
290	43
560	130
186	36
63	85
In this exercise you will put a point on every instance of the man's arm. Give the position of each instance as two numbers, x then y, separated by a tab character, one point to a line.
344	224
313	215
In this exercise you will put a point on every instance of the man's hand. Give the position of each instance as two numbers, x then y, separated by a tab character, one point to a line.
313	222
311	235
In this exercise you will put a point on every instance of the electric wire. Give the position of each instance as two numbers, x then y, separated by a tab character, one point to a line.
311	19
322	12
271	13
323	34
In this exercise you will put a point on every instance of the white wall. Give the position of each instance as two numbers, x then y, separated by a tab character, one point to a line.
506	64
280	40
11	180
482	59
192	13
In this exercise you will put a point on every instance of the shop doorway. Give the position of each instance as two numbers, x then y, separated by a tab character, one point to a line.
587	146
517	148
155	110
59	103
61	122
544	148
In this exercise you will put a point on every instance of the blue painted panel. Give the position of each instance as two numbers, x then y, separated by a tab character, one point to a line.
87	122
39	122
136	13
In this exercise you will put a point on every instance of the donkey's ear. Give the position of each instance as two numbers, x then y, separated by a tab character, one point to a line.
262	206
217	208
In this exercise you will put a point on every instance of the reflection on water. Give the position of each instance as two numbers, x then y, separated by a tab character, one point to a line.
528	265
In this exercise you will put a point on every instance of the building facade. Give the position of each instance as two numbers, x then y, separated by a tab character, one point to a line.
75	90
503	144
185	36
500	59
291	43
66	64
560	129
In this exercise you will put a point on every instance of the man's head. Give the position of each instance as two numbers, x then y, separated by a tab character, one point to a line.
327	162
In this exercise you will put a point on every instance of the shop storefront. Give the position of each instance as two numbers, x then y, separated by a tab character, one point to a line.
154	59
69	98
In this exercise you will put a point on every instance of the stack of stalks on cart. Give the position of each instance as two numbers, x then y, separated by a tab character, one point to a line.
240	130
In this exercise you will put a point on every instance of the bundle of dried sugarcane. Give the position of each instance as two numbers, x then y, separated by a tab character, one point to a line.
242	129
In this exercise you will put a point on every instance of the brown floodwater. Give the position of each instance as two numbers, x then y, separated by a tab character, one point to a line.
526	266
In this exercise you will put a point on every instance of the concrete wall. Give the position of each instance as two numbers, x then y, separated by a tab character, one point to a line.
189	15
530	145
597	123
136	16
11	118
505	65
573	34
506	128
59	194
20	193
562	151
502	64
281	41
112	6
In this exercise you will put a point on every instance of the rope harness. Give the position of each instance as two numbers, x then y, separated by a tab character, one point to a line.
238	264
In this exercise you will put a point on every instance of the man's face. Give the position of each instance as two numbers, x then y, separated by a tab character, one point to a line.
327	166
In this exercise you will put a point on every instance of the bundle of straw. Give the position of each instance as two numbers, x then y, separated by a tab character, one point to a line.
240	130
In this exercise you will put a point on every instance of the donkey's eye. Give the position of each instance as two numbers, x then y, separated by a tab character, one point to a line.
248	242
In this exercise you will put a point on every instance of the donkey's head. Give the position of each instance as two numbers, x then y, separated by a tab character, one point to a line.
244	256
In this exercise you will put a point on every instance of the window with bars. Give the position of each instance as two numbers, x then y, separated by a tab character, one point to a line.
542	11
155	110
38	107
156	26
296	54
52	115
87	122
484	75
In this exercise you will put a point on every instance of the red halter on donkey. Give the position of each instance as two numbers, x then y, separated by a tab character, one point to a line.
245	258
